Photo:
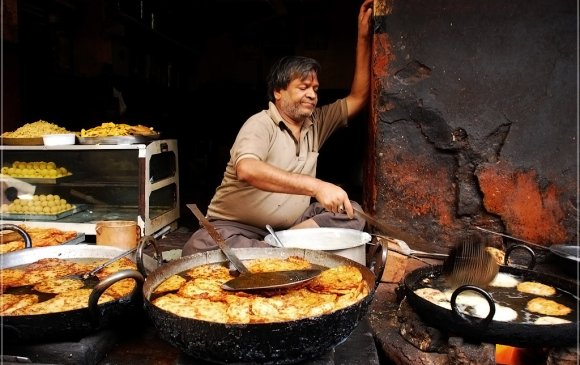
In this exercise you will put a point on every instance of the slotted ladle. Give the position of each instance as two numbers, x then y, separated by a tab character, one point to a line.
90	274
248	281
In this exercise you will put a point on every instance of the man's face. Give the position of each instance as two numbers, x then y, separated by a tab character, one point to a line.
298	100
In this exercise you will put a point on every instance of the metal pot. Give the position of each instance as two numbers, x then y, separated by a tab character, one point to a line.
488	330
269	343
77	323
349	243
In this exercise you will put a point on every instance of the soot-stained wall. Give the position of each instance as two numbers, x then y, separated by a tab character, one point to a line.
474	119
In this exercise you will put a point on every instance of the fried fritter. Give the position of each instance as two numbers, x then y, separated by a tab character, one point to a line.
11	277
547	307
49	268
217	272
121	288
10	303
202	297
58	285
339	279
173	283
532	287
119	265
274	264
75	299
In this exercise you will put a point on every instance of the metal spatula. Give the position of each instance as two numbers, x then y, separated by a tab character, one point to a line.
247	280
469	263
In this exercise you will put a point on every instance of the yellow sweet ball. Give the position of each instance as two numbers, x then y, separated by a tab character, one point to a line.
51	165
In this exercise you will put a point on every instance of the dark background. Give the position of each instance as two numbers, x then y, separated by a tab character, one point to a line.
193	70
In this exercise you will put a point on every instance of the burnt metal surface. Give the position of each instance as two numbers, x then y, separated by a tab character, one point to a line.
475	119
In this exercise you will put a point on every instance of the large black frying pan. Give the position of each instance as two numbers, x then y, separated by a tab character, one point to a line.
518	334
268	343
74	324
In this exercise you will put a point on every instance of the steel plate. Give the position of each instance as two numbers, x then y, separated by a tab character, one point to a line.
45	217
119	139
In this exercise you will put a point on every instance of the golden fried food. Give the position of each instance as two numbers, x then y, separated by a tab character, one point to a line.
121	288
10	303
202	309
58	285
110	129
49	268
532	287
39	237
11	246
273	264
35	130
202	288
209	271
497	254
11	277
119	265
547	307
75	299
48	276
173	283
340	280
201	296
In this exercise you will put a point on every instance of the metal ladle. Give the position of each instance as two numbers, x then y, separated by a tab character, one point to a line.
273	233
249	280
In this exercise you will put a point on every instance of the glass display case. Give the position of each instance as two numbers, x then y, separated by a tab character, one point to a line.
137	182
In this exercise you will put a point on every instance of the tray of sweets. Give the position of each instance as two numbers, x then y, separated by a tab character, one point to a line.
44	217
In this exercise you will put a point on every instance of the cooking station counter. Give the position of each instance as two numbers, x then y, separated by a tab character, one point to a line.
376	340
137	341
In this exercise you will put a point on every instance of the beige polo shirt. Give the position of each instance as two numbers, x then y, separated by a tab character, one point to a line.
266	137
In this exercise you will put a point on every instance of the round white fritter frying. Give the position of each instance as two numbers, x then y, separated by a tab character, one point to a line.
551	320
503	280
430	294
502	313
468	298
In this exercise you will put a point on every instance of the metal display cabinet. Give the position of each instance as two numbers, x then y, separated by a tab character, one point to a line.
137	182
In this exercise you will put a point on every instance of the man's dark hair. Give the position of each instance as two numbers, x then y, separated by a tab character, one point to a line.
287	69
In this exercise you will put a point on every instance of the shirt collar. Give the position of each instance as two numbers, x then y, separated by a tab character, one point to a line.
277	119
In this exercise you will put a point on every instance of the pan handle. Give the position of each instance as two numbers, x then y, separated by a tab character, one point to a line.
376	260
479	324
511	249
144	242
20	231
102	286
